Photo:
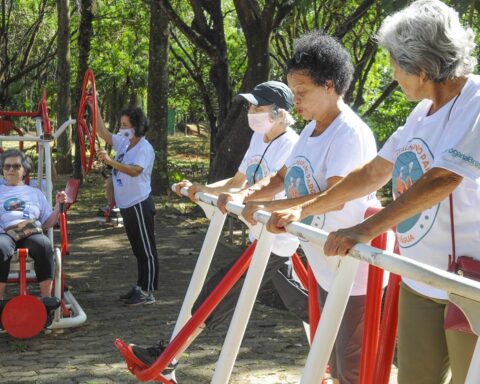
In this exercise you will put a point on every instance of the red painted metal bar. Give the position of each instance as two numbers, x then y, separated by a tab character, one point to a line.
300	270
18	114
43	113
373	307
87	135
388	333
63	231
313	303
198	318
22	274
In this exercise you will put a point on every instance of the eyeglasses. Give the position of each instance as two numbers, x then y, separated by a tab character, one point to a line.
15	167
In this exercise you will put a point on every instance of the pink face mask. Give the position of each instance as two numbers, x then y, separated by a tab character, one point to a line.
260	122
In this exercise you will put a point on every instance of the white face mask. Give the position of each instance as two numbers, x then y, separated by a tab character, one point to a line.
127	132
260	122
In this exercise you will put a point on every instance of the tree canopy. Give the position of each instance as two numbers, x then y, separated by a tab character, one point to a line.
215	50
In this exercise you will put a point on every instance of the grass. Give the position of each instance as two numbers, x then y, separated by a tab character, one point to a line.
188	158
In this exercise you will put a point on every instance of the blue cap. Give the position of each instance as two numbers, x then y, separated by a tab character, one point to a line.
270	92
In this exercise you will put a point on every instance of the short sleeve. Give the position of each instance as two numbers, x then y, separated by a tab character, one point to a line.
242	168
460	149
344	155
145	157
45	208
388	150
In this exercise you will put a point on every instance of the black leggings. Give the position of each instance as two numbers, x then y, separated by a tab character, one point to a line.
39	249
292	295
139	221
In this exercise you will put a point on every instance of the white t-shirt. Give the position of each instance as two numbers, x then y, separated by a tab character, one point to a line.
345	145
273	160
449	139
131	190
20	203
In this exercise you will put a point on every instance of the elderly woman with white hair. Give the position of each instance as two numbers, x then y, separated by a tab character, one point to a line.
434	164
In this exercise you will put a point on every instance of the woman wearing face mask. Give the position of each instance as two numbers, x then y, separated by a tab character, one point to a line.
270	145
132	170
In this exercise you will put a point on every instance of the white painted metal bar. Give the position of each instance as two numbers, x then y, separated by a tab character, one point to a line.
335	305
24	138
251	285
63	127
201	267
330	321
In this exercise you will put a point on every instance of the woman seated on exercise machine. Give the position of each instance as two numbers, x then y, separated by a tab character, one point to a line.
24	215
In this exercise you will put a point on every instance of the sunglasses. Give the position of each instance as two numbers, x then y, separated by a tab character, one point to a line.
15	167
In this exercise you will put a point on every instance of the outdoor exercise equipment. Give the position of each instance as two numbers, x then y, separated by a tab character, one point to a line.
335	305
24	316
188	325
87	121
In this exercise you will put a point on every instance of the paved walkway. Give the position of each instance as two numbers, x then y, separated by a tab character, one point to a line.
101	268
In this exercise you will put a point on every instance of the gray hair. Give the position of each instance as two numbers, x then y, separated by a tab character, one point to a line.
27	163
428	36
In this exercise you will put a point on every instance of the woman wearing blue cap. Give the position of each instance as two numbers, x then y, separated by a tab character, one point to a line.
270	146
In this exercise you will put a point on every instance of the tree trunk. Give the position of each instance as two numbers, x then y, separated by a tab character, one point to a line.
158	95
64	144
85	34
234	134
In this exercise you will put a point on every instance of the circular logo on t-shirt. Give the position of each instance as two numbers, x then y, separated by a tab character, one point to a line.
14	204
413	160
299	181
255	172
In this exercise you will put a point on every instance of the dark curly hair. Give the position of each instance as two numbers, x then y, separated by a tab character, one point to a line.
322	58
137	119
27	163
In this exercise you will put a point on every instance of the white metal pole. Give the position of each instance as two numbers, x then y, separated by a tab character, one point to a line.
330	321
473	376
243	309
201	269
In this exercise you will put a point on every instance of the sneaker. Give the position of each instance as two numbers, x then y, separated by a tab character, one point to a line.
140	298
129	294
148	356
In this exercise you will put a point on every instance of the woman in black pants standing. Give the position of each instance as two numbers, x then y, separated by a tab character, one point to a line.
132	170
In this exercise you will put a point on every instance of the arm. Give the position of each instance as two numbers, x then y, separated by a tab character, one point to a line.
216	188
52	219
264	189
130	170
102	130
276	205
433	187
358	183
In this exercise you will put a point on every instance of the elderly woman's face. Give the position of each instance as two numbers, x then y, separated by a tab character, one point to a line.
310	99
13	170
412	85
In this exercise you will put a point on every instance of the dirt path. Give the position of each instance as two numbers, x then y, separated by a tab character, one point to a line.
101	268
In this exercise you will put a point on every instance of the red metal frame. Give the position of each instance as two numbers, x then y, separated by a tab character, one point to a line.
300	270
23	280
87	133
153	372
42	112
378	343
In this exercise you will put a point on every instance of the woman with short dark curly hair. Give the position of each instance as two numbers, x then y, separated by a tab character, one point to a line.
333	143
